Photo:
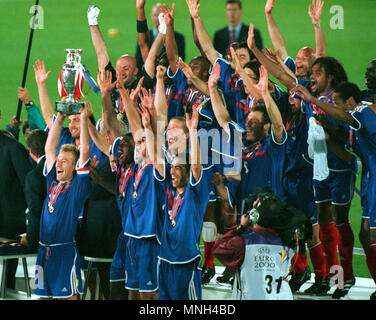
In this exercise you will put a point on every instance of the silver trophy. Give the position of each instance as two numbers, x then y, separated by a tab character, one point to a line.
70	105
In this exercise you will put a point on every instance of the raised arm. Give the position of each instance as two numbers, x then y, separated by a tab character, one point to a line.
247	81
99	140
194	145
154	52
314	11
108	114
84	133
271	107
220	111
154	152
336	113
275	69
206	44
99	44
142	29
40	78
130	109
52	142
197	82
170	42
275	35
160	101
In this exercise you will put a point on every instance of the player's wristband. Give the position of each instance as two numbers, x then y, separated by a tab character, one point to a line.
142	26
29	104
241	229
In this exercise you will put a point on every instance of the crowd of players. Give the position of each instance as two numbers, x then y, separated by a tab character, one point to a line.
189	143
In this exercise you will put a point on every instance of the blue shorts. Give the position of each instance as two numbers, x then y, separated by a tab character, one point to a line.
118	269
142	262
179	281
338	188
299	193
57	271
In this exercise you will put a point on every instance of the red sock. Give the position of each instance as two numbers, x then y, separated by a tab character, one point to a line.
329	240
371	259
299	263
208	254
318	260
345	248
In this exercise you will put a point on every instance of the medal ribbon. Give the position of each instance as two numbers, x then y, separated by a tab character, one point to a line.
125	175
177	203
139	175
55	192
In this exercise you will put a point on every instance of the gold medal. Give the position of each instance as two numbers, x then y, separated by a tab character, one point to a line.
135	195
50	209
173	223
120	197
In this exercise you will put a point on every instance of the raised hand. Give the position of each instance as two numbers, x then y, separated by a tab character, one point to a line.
216	178
145	117
135	92
87	110
262	85
161	71
301	92
269	6
272	56
235	63
194	8
168	14
192	120
147	98
186	69
104	80
24	95
315	10
214	77
40	72
14	123
251	37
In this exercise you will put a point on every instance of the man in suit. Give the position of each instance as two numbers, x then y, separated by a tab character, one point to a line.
236	31
14	165
180	41
35	187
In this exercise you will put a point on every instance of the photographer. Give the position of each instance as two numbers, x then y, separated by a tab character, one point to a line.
261	255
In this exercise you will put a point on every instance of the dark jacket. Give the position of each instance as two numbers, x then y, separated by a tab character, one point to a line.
35	192
222	38
14	165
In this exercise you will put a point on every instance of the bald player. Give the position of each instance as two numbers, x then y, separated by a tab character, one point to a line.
125	67
305	56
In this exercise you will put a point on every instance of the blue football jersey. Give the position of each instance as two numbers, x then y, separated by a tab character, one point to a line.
144	216
63	205
184	215
334	162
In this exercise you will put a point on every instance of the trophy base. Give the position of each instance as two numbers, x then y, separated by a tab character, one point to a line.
68	107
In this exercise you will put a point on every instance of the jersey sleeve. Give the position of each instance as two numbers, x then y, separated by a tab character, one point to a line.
81	182
290	63
364	117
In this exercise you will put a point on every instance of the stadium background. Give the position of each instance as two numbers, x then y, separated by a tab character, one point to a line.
65	26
